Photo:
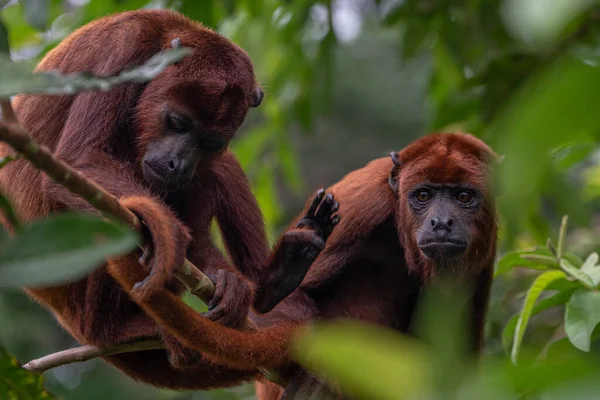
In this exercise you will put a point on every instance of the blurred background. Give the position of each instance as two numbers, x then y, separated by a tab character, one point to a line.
347	81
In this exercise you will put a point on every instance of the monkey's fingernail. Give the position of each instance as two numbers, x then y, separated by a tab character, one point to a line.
329	198
320	193
139	286
335	206
335	219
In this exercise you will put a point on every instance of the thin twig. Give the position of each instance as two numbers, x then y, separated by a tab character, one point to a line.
89	352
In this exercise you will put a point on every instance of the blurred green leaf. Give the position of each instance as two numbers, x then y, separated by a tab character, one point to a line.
576	273
415	33
37	13
392	366
555	300
61	248
536	289
549	110
18	383
516	258
582	314
541	26
8	211
591	268
6	159
16	78
562	234
4	46
210	13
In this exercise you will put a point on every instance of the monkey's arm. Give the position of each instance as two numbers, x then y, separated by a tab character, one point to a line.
296	251
239	217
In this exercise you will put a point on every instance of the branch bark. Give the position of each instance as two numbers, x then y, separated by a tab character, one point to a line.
89	352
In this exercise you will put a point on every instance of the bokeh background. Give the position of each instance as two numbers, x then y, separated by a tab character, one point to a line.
347	81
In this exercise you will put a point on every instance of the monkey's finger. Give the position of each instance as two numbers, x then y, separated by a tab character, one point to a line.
315	204
141	287
146	256
326	207
335	207
220	289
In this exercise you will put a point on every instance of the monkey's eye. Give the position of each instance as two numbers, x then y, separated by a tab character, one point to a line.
176	124
464	197
423	196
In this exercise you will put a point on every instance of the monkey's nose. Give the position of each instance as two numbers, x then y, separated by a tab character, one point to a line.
444	223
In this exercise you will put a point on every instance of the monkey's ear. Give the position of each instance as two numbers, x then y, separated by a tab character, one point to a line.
393	177
257	97
396	159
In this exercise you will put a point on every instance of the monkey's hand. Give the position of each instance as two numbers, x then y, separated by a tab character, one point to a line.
320	219
229	306
232	299
165	242
296	251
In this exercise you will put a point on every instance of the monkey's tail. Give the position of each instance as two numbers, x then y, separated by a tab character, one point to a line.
266	348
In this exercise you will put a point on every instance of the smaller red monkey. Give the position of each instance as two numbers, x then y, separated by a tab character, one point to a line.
426	210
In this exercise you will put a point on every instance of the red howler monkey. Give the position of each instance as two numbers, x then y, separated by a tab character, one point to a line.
161	149
424	211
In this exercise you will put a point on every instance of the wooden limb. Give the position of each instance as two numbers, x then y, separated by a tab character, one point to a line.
89	352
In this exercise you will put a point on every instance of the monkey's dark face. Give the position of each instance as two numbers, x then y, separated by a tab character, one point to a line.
445	216
171	161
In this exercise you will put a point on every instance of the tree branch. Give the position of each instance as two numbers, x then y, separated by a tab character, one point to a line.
89	352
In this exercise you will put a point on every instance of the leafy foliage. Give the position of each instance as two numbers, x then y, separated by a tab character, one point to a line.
61	248
21	79
17	383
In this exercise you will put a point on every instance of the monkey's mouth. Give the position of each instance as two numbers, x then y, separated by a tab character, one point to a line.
436	248
159	183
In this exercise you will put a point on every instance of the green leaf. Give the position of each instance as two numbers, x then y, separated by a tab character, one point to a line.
61	248
8	211
5	160
414	35
18	383
4	47
562	233
582	314
536	289
517	258
548	110
18	77
545	260
591	268
555	300
392	366
37	13
576	273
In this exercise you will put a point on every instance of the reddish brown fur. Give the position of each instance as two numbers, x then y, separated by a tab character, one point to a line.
363	271
104	135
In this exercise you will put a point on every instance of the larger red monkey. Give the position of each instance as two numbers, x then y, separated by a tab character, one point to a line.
161	148
426	210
